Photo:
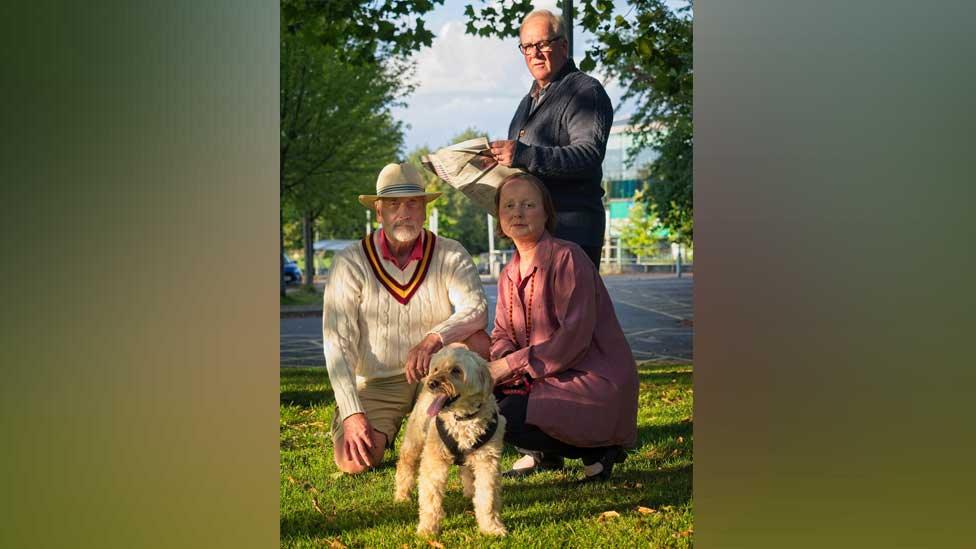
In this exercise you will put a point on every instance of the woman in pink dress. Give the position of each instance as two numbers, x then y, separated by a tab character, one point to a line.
565	377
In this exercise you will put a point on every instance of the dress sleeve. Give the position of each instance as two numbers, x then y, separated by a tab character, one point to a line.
466	296
574	304
340	332
501	334
588	120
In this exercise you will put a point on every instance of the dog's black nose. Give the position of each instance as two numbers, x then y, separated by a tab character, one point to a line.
433	384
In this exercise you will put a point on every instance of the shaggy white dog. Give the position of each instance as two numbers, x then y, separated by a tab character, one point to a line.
455	421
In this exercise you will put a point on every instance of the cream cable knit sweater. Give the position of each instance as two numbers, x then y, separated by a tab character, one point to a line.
366	333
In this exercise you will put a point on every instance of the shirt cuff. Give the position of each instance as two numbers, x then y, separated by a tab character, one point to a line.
348	405
518	362
439	336
519	159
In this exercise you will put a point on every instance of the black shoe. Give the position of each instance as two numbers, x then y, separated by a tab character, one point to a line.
614	454
541	464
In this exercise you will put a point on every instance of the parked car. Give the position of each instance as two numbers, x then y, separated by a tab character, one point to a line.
293	275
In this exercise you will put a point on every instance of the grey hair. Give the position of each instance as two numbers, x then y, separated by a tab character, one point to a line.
555	21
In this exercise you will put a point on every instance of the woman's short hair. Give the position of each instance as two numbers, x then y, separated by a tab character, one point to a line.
547	204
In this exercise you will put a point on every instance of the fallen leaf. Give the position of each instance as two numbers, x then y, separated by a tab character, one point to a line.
336	544
686	533
436	544
645	510
681	439
315	504
606	515
292	480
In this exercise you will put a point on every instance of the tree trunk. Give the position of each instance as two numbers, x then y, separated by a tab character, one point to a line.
307	224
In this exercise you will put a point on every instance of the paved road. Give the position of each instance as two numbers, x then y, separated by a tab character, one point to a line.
655	314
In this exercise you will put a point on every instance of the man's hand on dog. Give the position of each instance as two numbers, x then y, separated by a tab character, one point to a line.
357	439
418	358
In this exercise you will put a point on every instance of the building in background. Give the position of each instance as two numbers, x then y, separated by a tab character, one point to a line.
621	183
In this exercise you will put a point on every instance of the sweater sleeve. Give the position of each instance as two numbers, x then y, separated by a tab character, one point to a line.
501	334
574	301
340	332
588	119
466	295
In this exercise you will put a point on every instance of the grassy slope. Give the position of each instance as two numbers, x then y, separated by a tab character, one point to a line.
545	510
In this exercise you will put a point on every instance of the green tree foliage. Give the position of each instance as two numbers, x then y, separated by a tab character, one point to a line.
337	132
647	47
640	235
362	30
458	217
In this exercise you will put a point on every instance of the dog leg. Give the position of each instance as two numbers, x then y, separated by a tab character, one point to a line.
410	450
406	470
487	498
432	482
467	481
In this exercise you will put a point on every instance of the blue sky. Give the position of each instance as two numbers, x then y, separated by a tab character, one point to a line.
467	81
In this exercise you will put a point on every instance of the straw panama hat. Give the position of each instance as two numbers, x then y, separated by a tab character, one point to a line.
397	181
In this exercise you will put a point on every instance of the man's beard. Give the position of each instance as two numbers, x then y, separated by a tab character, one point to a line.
405	233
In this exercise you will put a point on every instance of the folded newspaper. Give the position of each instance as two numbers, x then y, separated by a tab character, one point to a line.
469	167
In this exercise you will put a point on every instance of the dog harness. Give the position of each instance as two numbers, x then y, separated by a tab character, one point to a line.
452	444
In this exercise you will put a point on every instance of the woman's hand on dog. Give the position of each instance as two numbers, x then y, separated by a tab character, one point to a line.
500	372
418	358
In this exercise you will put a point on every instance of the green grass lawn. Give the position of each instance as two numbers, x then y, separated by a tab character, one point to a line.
301	296
646	504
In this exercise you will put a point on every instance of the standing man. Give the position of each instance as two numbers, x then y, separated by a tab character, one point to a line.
387	307
559	132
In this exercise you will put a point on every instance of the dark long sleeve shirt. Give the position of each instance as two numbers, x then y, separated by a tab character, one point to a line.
563	141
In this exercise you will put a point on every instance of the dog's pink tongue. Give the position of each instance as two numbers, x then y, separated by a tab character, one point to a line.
436	405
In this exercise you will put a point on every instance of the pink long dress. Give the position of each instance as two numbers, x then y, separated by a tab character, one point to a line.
584	378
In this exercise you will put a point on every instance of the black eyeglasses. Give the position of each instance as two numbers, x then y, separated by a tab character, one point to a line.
541	45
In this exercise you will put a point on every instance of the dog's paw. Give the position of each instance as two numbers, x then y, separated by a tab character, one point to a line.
428	530
495	529
401	496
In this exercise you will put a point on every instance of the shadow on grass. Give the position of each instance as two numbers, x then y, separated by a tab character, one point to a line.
311	524
656	435
626	490
306	387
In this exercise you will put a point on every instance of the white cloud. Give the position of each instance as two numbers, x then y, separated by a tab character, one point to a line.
463	81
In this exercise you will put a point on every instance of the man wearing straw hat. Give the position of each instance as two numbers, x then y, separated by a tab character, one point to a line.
389	304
